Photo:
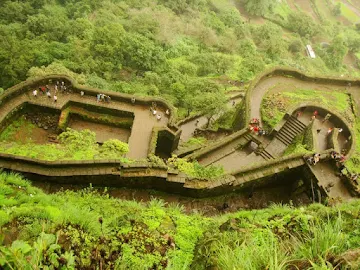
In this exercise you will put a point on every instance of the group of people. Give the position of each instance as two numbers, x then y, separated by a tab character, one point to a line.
314	159
254	126
337	156
154	112
103	98
60	85
45	90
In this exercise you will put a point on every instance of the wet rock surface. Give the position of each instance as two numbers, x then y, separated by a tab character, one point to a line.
46	121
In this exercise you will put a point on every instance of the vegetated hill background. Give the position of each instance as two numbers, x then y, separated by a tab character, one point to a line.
179	49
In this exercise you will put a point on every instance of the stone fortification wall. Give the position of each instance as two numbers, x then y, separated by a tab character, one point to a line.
243	111
114	173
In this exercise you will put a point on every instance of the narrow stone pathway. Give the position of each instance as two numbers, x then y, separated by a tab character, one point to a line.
188	128
277	84
326	174
141	131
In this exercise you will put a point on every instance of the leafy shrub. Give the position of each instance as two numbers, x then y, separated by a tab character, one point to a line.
77	139
114	148
195	169
295	46
155	160
302	23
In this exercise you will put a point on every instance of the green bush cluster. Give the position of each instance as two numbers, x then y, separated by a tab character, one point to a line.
74	145
89	229
126	48
194	169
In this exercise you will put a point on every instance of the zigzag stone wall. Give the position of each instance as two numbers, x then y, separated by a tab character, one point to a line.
114	173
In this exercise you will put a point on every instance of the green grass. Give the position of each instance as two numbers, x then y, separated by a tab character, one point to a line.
74	145
297	147
195	141
137	235
354	162
349	14
274	106
282	9
10	131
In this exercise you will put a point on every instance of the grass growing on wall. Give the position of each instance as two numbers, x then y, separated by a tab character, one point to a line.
297	146
73	145
10	131
274	106
89	229
348	13
354	162
194	169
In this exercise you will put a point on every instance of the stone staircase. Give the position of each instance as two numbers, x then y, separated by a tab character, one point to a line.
288	132
266	155
248	137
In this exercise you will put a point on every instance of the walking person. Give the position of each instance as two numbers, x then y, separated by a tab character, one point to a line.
42	90
327	117
55	98
298	114
313	117
48	94
35	93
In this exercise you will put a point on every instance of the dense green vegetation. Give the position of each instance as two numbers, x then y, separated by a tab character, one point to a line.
78	230
176	49
191	53
73	145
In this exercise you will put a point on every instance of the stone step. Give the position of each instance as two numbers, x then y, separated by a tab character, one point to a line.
248	137
289	131
266	155
295	126
291	125
299	123
284	139
287	134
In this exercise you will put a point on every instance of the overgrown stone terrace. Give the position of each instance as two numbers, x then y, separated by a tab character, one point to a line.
250	161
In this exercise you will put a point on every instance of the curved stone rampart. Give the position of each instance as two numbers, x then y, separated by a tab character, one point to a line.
31	83
112	172
283	71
